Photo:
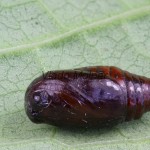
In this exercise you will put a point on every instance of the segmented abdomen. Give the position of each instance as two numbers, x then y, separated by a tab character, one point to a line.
137	89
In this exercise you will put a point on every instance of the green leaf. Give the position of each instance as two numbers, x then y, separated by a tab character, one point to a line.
42	35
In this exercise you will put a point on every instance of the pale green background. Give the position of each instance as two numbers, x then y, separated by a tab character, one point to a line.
42	35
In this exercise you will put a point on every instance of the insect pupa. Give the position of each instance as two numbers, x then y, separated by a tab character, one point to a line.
87	97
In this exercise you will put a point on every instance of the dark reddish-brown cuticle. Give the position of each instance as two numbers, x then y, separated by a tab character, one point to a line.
87	97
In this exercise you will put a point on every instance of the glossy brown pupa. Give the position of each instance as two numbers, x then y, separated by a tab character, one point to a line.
87	97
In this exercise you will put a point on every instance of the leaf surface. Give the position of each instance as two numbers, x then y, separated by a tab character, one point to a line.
42	35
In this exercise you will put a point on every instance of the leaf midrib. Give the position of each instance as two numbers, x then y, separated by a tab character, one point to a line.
49	40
